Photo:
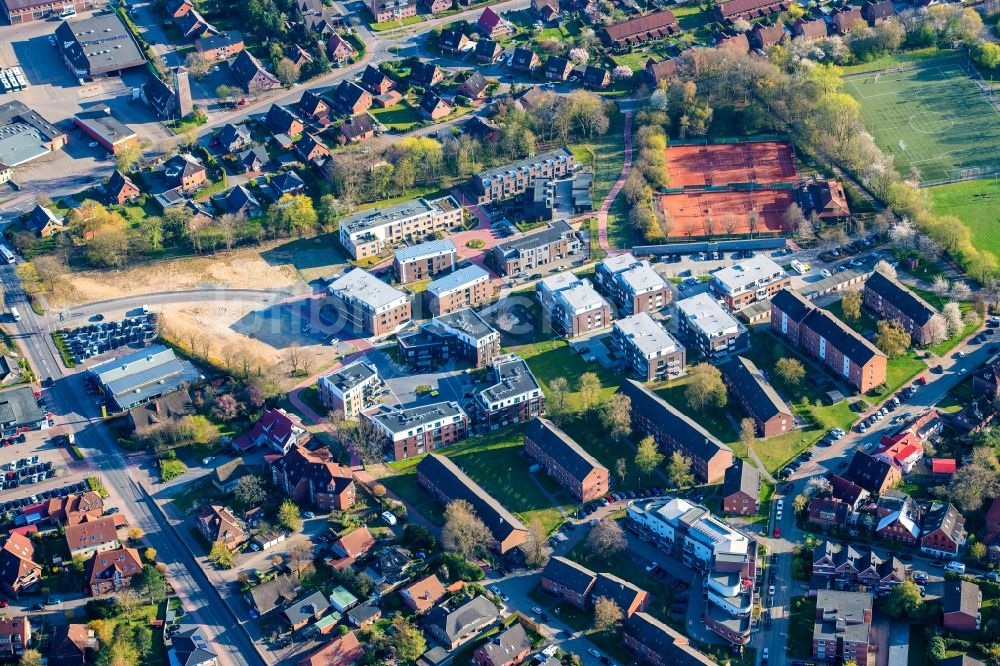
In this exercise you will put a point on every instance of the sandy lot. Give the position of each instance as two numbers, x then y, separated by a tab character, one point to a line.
242	269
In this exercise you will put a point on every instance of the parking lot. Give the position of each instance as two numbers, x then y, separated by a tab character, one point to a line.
101	337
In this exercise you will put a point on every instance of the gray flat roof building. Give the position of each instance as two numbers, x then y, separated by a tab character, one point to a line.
137	378
424	250
459	279
360	285
648	336
18	409
98	46
704	312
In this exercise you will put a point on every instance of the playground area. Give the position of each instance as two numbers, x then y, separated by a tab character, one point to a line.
718	164
697	214
936	121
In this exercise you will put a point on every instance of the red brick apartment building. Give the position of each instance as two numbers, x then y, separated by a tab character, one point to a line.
462	335
568	580
366	304
513	179
960	606
827	339
572	305
443	479
674	431
554	243
660	645
313	478
889	299
747	383
741	489
566	461
641	29
467	287
391	10
414	431
842	628
650	352
514	397
423	261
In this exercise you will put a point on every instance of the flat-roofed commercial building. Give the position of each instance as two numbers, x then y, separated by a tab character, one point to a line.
370	232
142	376
351	389
366	304
25	135
705	324
19	410
25	11
649	350
112	134
515	178
98	46
467	287
751	280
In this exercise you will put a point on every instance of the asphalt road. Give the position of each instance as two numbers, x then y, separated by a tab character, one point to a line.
200	598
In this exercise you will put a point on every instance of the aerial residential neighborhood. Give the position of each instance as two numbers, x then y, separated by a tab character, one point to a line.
499	332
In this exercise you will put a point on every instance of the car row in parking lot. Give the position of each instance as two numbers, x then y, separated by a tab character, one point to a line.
95	339
45	494
594	505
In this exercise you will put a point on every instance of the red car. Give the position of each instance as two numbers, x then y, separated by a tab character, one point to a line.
777	532
3	603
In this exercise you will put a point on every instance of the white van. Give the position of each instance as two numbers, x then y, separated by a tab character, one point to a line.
388	517
15	314
955	567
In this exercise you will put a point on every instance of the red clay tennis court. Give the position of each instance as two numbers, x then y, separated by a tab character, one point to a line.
716	164
694	214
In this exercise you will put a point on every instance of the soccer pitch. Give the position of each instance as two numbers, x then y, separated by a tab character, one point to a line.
932	118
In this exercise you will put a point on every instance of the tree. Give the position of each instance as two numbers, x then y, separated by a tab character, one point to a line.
127	601
647	456
936	648
224	93
790	370
296	359
464	532
30	657
406	639
851	305
892	338
940	285
286	71
197	65
578	56
151	583
960	291
800	502
142	637
293	214
607	614
605	539
621	469
225	407
534	548
972	484
705	388
953	318
616	414
289	516
250	491
748	433
904	601
557	402
127	156
221	556
679	470
978	550
886	269
149	554
367	441
590	390
937	329
135	533
621	73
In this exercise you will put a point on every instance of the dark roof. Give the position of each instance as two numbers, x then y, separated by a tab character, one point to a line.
455	484
240	199
672	646
248	158
305	608
311	103
470	616
487	48
594	75
659	23
158	94
430	101
423	73
846	491
118	182
878	10
308	143
960	596
557	65
550	234
347	94
693	437
480	127
741	477
562	448
231	135
280	119
843	338
245	68
99	44
223	39
569	574
286	182
373	77
944	517
475	84
867	471
356	126
508	646
904	300
960	660
619	590
451	39
523	57
750	383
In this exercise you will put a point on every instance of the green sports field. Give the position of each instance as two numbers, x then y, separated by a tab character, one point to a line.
977	204
931	117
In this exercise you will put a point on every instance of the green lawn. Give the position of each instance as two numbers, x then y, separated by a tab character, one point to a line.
621	234
716	421
389	25
564	32
496	462
605	155
401	117
800	627
553	358
976	204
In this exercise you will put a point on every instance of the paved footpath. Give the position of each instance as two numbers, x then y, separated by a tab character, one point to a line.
602	214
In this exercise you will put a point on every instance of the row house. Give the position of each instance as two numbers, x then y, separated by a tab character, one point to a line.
552	244
350	389
707	326
365	304
637	31
849	567
15	636
514	397
313	478
889	299
565	460
416	430
572	305
826	338
675	431
650	352
369	233
514	179
633	285
749	9
873	474
771	415
443	479
391	10
467	287
461	335
750	281
424	261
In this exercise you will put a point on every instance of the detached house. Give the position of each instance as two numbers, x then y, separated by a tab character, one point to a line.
960	606
487	51
112	570
825	198
311	149
424	594
217	523
376	81
806	29
452	41
339	49
492	25
461	625
943	532
434	106
276	429
251	75
474	87
18	570
525	60
121	189
425	74
314	107
596	78
357	128
348	97
557	68
508	649
43	222
741	489
312	477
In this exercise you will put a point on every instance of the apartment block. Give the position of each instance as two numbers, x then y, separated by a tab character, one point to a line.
710	328
889	299
832	342
554	243
424	261
565	461
759	400
842	630
675	431
467	287
751	280
572	305
514	179
650	352
366	304
514	397
413	431
350	389
633	285
371	232
461	335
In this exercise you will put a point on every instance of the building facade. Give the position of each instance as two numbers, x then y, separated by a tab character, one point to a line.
751	280
467	287
514	397
572	305
650	352
552	244
704	324
424	261
565	461
414	431
366	304
369	233
514	179
350	389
